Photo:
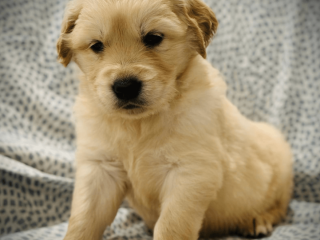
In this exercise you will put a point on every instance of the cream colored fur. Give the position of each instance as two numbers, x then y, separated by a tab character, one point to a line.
187	161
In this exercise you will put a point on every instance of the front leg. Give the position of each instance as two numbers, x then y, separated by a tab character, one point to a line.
99	190
187	192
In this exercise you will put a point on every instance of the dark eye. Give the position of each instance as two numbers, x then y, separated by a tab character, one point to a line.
97	47
152	39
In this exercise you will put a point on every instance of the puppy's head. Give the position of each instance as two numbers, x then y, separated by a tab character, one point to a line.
133	52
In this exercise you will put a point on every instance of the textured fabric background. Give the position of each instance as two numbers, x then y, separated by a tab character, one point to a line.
268	51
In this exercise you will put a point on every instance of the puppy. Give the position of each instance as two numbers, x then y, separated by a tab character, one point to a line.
154	126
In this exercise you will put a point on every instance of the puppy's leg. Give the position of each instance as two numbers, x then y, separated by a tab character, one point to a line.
186	198
99	190
262	225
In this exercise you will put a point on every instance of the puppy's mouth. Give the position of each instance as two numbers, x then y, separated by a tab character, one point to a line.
131	106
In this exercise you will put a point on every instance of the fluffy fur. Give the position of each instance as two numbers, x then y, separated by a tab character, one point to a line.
187	161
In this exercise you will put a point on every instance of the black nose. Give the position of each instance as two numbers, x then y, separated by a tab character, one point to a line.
127	89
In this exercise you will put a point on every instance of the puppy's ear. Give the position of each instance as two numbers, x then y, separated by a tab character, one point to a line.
69	21
201	21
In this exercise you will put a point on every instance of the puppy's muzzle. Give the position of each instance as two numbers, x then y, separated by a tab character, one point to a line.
127	91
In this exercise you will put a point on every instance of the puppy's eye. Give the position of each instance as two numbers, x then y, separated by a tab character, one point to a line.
97	47
152	39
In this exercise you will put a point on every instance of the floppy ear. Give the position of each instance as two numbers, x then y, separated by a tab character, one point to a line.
201	21
69	21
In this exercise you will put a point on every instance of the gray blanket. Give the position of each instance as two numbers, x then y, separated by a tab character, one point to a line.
268	51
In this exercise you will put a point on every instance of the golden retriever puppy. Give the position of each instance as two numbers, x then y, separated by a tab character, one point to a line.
154	126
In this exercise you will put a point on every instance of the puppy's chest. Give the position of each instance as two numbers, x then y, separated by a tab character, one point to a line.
147	171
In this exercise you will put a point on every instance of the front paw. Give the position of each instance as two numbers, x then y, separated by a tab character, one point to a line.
168	232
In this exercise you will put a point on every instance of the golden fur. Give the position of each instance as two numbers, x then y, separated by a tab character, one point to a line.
187	161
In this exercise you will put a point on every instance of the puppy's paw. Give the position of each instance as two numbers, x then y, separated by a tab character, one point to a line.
258	227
